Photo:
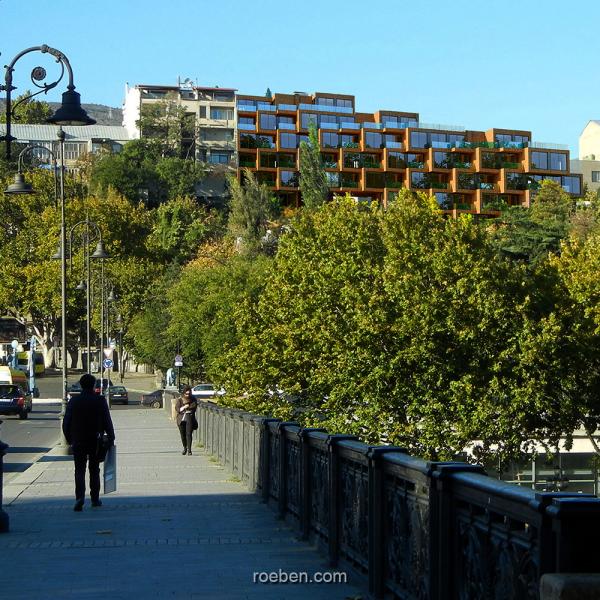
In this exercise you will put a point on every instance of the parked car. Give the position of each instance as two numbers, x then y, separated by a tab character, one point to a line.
153	399
74	390
205	391
15	400
118	393
105	384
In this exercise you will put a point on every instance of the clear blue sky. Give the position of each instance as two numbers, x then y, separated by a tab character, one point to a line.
483	63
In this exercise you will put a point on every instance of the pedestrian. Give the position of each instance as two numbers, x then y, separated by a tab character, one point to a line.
185	410
86	420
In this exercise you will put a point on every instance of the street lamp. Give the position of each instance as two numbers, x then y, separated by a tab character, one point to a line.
69	113
99	253
119	322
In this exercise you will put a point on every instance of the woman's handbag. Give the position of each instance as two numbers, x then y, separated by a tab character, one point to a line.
194	422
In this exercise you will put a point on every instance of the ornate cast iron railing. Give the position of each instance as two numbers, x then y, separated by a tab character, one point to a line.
416	529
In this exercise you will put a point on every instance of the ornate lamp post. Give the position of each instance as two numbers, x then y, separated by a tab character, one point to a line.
69	113
99	253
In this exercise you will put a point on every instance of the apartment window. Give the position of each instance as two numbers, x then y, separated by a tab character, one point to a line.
308	118
558	162
203	112
73	150
219	158
444	200
221	114
268	160
572	185
288	140
596	176
289	178
330	140
325	101
396	160
441	160
349	141
539	160
373	140
418	139
268	122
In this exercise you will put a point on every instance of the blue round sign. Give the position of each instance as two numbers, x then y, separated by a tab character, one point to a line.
107	363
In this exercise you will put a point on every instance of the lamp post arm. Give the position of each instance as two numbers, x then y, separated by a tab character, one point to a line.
38	74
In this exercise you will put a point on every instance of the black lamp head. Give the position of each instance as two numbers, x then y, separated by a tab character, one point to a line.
70	111
19	186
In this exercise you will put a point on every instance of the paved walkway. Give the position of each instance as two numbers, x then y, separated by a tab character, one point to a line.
178	527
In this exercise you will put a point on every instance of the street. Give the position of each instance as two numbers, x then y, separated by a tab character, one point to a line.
31	438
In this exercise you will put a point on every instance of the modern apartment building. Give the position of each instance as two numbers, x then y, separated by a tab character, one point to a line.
210	133
372	156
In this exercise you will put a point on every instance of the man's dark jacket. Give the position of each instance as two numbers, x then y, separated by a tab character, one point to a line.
86	416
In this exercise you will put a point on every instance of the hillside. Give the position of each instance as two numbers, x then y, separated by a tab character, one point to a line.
104	115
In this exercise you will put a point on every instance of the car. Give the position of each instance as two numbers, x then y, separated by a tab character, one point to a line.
105	384
118	393
204	391
15	400
153	399
74	390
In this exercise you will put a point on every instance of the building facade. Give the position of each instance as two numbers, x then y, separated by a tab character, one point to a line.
78	140
210	134
588	163
372	155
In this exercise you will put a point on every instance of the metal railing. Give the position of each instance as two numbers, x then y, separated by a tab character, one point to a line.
414	528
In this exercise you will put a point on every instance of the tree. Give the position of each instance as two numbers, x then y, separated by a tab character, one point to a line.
140	172
28	110
250	207
530	234
313	181
268	94
180	227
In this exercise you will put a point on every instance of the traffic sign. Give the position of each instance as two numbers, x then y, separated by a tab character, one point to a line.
179	360
107	363
108	352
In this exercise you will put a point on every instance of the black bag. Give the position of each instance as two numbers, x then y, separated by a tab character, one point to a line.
102	446
194	422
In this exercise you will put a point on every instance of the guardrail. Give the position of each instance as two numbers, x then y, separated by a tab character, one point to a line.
415	528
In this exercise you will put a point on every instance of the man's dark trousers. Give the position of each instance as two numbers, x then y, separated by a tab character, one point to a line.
86	455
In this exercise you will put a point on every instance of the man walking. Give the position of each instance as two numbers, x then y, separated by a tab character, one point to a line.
86	419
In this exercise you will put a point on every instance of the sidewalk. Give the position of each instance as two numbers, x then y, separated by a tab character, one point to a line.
178	527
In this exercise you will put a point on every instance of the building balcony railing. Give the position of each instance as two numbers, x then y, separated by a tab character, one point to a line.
348	110
247	126
395	145
287	126
287	107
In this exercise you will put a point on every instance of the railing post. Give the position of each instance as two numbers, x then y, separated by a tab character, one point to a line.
376	517
4	521
576	527
282	500
441	533
334	513
265	458
305	489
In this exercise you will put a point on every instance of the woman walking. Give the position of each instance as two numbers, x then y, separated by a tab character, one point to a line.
185	407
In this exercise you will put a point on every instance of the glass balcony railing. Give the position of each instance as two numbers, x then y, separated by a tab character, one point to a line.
266	107
247	126
484	185
399	125
246	107
415	164
370	125
347	110
328	126
287	126
354	126
287	107
439	185
436	144
248	163
394	184
546	146
397	145
348	183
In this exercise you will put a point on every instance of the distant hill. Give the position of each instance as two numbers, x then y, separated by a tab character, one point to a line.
104	115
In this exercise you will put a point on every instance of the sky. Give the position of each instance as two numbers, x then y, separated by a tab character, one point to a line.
515	64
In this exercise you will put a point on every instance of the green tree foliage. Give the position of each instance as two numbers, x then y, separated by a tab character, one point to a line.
180	227
409	328
529	234
313	181
27	110
140	172
202	305
250	207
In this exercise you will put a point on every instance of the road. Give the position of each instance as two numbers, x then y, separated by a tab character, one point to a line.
31	438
